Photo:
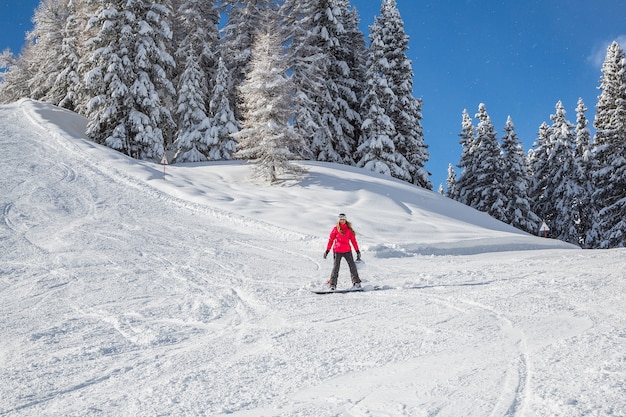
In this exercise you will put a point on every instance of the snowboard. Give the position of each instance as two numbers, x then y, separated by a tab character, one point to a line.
347	290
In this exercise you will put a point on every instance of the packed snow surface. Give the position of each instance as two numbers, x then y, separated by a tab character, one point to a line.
127	293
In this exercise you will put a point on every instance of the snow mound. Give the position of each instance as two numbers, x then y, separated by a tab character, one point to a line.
392	218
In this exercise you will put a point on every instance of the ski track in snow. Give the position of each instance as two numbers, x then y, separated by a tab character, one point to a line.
121	299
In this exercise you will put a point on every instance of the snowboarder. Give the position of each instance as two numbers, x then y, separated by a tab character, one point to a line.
340	239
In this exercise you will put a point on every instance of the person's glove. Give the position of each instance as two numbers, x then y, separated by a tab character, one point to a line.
325	254
358	255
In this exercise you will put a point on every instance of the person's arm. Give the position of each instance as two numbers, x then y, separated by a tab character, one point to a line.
331	240
355	245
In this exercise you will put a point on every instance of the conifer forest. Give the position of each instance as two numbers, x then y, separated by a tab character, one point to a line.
276	81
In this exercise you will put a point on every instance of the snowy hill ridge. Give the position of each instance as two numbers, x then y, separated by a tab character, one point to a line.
415	221
126	294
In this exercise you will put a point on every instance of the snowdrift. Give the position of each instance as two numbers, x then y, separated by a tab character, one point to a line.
392	217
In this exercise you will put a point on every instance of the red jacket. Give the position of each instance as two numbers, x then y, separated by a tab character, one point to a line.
342	240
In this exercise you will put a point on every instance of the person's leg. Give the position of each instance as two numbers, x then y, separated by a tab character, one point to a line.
335	273
354	273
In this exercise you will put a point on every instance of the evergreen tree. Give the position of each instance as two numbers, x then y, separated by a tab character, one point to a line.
582	156
515	182
326	110
563	191
540	172
308	64
196	57
34	72
609	152
80	33
16	75
129	76
389	44
464	189
451	183
488	190
66	82
377	151
223	122
348	63
267	136
357	65
48	36
238	35
194	129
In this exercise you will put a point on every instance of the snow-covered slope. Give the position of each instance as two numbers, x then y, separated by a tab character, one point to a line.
124	292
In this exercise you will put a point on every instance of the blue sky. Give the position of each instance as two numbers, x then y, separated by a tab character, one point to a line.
519	58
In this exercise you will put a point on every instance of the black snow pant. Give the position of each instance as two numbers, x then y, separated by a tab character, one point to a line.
354	274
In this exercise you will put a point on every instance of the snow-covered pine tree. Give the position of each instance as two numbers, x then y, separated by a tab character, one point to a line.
49	65
582	156
377	151
451	183
564	191
404	110
65	89
47	36
488	191
129	77
193	134
238	35
357	65
78	36
539	170
267	136
325	100
15	79
308	65
33	73
223	122
197	63
348	64
609	151
515	182
464	189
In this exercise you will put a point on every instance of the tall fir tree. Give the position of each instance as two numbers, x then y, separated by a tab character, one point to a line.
357	65
609	152
488	191
348	63
197	63
193	135
389	45
267	137
65	89
223	122
129	77
582	156
515	182
563	191
464	189
540	171
450	190
16	75
34	72
83	11
326	110
48	36
308	65
238	34
48	67
377	150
